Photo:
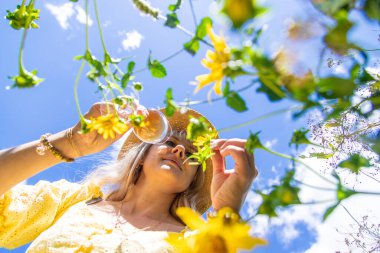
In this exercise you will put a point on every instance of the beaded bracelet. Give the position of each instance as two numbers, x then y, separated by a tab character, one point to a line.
46	145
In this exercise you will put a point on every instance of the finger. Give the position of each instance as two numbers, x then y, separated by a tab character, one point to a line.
242	165
218	164
235	141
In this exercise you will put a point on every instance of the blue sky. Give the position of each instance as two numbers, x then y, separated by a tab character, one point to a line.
50	107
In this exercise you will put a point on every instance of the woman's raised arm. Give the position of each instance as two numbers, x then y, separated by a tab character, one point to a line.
22	162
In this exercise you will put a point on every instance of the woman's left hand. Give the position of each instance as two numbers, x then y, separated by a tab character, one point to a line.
229	188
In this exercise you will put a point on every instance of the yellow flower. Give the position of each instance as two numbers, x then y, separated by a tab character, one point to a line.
224	233
215	61
107	125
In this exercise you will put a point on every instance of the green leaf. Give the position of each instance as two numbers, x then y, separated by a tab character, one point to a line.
241	11
321	155
236	102
171	20
372	9
336	38
253	142
281	195
329	211
109	59
171	106
331	7
299	137
131	66
354	163
272	96
124	80
197	127
335	87
192	46
201	30
156	68
176	6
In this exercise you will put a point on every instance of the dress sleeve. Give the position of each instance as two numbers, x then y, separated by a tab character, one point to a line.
28	210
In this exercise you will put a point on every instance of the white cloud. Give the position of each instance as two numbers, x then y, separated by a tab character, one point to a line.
269	144
81	16
132	40
331	234
64	12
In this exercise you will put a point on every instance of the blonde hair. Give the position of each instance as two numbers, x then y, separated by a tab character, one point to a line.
119	177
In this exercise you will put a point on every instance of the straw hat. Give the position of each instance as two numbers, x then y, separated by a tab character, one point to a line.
179	121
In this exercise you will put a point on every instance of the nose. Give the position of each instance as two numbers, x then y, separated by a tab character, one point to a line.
179	150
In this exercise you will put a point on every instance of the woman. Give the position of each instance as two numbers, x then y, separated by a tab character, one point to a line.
145	186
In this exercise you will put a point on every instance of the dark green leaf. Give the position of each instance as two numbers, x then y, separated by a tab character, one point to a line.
131	66
192	46
176	6
331	7
299	137
354	163
201	30
335	87
329	211
372	9
156	68
124	80
236	102
253	142
171	20
336	38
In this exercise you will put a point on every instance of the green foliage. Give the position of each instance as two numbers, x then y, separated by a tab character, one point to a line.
233	99
354	163
341	194
156	68
372	9
23	16
239	12
172	20
332	7
336	38
171	106
281	195
26	79
299	137
128	76
197	127
253	142
192	46
176	6
335	87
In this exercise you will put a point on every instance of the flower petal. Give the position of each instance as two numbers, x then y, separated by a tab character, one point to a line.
190	217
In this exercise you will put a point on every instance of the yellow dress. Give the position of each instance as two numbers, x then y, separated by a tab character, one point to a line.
56	218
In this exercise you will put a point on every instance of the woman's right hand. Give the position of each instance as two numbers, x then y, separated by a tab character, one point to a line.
93	142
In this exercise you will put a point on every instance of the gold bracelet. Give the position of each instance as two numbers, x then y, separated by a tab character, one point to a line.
46	145
69	135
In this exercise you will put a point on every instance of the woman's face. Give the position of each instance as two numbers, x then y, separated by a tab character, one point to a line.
164	164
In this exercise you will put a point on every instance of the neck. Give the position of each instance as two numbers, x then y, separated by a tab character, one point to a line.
147	201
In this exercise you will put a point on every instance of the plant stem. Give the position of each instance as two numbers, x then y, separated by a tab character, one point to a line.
75	90
193	13
99	26
164	60
86	25
298	161
20	65
267	115
313	186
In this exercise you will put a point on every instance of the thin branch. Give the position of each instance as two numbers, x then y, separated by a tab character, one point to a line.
187	103
193	12
313	186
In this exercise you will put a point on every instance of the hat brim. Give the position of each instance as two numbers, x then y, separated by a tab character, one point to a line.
179	121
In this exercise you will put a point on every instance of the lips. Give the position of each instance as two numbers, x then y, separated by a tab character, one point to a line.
174	161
